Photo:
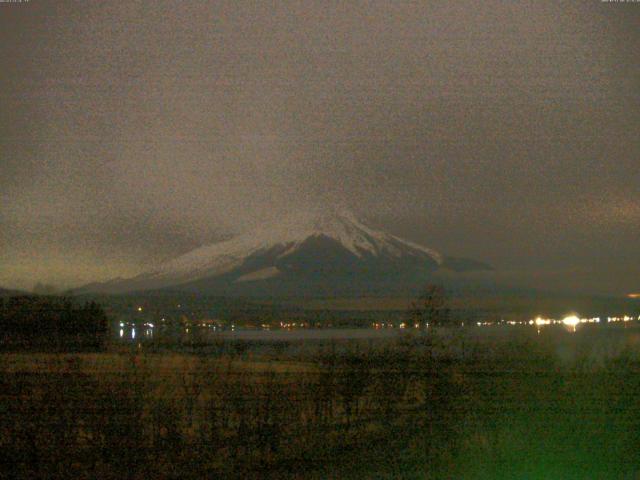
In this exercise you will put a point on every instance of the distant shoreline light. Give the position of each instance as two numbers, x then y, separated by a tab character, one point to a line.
633	295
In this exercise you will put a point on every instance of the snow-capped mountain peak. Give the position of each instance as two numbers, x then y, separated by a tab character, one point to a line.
301	248
291	232
345	228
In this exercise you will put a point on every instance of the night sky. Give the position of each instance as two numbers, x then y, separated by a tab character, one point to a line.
504	131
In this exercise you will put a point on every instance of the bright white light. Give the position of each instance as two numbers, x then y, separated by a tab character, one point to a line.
133	333
571	321
139	309
541	321
121	333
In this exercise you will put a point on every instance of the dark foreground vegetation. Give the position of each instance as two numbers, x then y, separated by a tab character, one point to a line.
35	322
406	409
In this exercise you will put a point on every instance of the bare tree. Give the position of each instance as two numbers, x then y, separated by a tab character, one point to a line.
430	309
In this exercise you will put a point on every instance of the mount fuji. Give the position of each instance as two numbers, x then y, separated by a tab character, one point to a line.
319	254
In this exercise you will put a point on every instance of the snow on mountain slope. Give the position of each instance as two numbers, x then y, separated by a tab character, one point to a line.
284	240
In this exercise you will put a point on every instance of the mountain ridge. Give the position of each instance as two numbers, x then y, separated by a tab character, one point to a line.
305	248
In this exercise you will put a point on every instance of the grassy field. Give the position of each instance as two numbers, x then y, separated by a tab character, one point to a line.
400	409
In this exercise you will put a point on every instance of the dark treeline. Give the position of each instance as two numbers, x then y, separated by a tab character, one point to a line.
50	322
394	411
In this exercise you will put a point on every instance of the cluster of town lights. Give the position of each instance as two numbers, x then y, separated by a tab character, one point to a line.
570	321
291	325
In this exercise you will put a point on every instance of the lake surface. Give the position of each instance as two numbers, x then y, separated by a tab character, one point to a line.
594	342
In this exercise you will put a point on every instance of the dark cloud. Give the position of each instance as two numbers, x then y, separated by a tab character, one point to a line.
133	131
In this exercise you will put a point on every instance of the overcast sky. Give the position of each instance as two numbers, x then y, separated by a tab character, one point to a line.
504	131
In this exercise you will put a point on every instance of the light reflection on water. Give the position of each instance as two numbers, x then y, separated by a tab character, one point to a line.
204	334
595	342
207	334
